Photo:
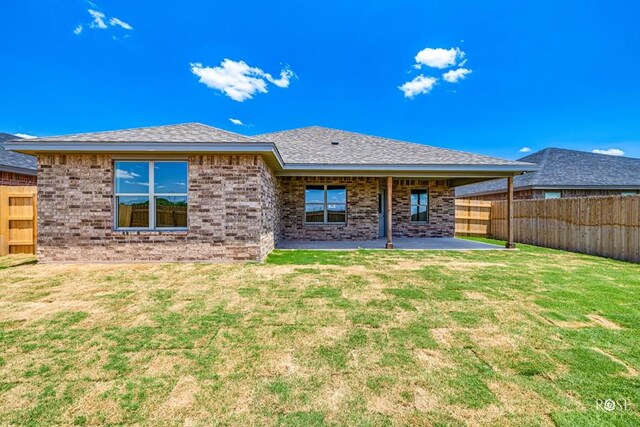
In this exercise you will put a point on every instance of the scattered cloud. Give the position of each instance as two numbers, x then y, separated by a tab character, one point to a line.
454	76
438	57
525	150
117	22
125	174
25	136
236	122
419	85
238	80
101	22
98	19
609	151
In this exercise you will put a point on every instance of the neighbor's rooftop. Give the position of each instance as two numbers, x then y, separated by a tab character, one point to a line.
15	162
562	168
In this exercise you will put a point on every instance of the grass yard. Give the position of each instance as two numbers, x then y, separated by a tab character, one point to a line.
533	337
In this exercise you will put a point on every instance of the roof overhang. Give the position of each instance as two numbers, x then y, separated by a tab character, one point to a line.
466	173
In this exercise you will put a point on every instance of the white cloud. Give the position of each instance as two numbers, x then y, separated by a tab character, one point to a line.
115	21
125	174
454	76
525	150
238	80
77	30
25	136
438	57
609	151
419	85
98	19
236	122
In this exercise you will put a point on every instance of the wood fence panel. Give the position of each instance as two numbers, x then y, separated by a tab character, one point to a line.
18	224
605	226
473	218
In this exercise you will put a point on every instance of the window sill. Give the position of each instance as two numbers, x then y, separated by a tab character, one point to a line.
419	222
321	224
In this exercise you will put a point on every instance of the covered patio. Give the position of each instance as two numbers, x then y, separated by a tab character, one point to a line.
402	243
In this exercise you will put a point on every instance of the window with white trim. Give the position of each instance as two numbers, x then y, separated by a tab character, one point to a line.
150	195
325	204
629	193
420	205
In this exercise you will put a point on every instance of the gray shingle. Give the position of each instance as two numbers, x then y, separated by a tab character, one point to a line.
560	167
10	160
309	145
186	132
313	145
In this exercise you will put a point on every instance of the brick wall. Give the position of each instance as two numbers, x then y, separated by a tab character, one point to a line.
539	194
441	209
16	179
271	201
226	214
362	210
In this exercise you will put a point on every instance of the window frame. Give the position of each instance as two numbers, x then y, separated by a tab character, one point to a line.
325	204
151	194
411	205
626	193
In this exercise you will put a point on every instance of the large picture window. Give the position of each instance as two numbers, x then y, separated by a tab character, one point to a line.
150	195
325	204
420	205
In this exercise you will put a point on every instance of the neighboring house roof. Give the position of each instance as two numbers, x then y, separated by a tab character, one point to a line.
306	149
315	145
186	132
570	169
11	161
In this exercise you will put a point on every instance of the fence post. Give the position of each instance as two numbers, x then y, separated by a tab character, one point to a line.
4	221
510	244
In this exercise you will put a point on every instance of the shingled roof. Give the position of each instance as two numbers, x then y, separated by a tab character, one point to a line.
15	162
186	132
562	168
297	148
320	145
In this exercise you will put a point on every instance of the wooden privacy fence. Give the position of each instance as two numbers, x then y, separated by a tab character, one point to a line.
473	218
18	224
605	226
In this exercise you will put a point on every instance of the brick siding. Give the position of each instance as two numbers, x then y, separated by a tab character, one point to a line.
237	211
362	210
539	194
225	221
441	209
16	179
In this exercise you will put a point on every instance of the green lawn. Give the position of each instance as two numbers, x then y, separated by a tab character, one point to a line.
529	337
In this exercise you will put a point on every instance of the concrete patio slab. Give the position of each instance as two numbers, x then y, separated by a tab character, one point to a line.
401	243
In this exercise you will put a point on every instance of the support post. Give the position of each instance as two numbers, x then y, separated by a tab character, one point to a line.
510	243
389	224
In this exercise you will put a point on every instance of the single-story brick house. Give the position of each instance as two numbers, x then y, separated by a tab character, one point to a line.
191	192
564	174
15	168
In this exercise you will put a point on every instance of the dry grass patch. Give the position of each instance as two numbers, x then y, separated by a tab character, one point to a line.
336	338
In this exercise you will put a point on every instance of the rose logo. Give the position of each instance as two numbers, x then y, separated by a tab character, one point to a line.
609	405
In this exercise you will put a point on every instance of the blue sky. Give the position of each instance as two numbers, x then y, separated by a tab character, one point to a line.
544	73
